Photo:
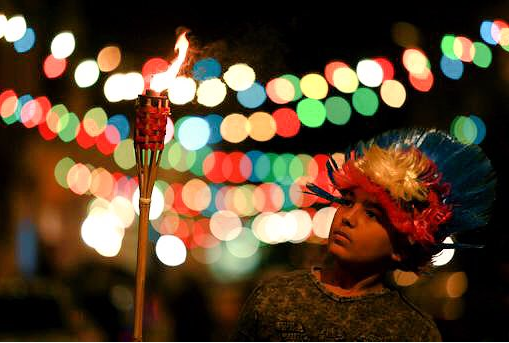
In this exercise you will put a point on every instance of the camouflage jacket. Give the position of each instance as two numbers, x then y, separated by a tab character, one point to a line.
297	307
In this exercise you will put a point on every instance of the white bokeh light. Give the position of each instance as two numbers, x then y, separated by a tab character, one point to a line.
444	256
170	250
15	28
370	73
86	73
182	90
322	221
156	203
62	46
225	225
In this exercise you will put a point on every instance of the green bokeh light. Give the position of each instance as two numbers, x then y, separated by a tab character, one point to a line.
124	155
338	110
311	112
69	127
447	46
483	55
365	101
61	170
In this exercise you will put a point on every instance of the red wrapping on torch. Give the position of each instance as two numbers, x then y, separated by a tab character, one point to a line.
152	111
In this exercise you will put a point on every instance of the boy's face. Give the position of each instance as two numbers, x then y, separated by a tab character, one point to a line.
359	232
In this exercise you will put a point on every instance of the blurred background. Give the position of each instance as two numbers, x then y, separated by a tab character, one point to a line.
264	95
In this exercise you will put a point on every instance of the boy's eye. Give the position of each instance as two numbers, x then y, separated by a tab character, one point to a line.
346	202
372	214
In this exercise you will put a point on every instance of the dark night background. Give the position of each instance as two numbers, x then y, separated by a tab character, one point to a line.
289	38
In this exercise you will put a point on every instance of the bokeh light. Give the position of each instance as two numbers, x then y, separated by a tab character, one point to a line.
156	203
311	112
252	97
239	77
193	133
235	128
26	42
405	34
445	256
206	68
280	90
54	67
15	28
170	250
370	73
262	126
452	68
393	93
365	101
345	80
338	110
211	92
181	90
109	58
314	86
86	73
62	45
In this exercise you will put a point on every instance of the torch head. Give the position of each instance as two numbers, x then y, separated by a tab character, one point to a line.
152	111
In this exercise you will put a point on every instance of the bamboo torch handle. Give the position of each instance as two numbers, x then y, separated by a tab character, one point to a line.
140	268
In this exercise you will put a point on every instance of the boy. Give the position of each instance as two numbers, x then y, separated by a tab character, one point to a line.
398	197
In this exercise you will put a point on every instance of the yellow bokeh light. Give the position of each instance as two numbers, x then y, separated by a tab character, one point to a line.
211	92
403	278
235	128
314	86
393	93
109	58
504	37
456	284
405	34
239	77
345	80
262	126
242	197
415	61
280	90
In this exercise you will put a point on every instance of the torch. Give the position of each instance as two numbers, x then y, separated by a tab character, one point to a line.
152	111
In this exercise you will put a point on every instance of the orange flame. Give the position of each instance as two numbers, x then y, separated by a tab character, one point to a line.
162	81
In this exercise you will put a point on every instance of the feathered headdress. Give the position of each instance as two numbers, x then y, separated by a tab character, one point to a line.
431	185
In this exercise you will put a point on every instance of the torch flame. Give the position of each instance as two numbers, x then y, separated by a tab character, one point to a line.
163	80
